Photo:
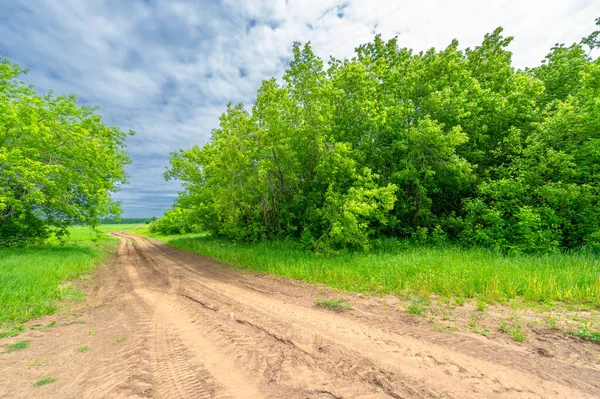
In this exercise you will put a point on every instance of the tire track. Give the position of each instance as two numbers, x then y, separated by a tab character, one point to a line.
260	353
184	363
258	335
175	378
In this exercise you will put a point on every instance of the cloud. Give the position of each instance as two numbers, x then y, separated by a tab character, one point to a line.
168	69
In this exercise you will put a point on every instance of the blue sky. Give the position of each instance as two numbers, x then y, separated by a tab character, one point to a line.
167	69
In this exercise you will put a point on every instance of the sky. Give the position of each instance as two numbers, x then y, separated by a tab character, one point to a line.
167	69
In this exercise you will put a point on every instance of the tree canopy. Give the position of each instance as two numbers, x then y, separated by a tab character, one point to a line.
59	163
435	145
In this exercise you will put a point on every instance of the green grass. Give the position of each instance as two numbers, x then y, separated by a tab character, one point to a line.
586	333
44	381
517	333
337	305
417	307
83	349
17	346
402	268
11	330
481	305
85	235
32	280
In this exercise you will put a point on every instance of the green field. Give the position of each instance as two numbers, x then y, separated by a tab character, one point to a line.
85	235
32	280
405	269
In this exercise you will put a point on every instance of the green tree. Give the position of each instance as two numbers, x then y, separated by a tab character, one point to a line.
432	145
58	162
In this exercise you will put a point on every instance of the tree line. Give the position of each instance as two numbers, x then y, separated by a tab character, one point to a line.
450	145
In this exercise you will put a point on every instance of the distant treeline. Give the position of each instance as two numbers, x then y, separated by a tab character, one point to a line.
451	145
128	221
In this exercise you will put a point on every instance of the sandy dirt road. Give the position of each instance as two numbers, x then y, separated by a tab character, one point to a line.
165	324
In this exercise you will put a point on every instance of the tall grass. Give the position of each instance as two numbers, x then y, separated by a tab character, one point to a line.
31	278
405	269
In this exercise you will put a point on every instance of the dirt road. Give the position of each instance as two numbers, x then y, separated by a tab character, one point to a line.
166	324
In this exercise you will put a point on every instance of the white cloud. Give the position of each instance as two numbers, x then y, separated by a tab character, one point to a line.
167	69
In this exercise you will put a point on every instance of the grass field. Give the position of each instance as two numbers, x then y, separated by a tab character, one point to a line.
85	235
407	270
32	280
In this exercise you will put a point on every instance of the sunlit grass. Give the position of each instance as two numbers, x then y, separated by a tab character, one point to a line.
86	235
405	269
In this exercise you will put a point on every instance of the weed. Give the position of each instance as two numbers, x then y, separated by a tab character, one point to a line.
551	322
70	323
448	317
481	305
44	327
119	340
318	341
93	332
337	305
44	381
586	333
503	326
417	307
460	301
472	323
516	333
17	347
445	328
485	332
83	349
36	363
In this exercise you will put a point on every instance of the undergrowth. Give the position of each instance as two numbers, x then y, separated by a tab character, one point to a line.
406	269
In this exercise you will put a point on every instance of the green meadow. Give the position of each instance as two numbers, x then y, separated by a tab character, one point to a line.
33	279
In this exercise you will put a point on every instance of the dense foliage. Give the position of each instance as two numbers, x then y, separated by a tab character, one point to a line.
437	145
58	162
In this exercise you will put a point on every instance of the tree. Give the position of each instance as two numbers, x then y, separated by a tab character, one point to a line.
58	162
451	143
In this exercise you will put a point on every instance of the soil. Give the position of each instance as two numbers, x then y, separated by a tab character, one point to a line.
161	323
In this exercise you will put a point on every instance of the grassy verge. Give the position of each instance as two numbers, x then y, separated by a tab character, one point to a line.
33	280
86	236
142	230
403	269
